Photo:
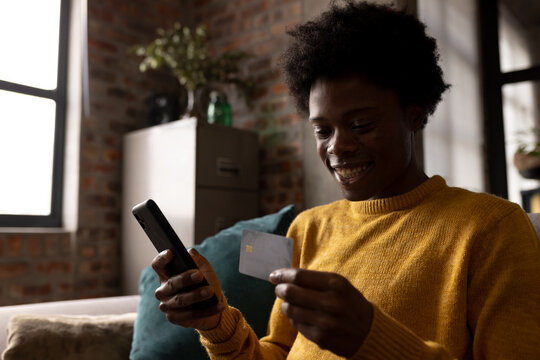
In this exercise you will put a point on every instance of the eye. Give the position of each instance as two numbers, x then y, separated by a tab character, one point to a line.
322	132
362	125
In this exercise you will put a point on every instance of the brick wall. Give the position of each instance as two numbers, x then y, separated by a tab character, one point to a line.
117	105
37	266
258	27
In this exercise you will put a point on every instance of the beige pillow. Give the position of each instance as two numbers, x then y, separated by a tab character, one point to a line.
78	337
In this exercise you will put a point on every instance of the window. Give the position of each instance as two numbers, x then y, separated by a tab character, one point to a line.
33	69
511	74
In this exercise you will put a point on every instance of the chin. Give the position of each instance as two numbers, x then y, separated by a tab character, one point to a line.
353	195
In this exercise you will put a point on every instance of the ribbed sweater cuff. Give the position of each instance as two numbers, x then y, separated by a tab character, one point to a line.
388	339
224	335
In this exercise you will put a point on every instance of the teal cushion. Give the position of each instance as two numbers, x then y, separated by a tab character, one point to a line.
155	338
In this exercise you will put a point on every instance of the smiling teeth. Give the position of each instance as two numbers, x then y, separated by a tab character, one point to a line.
350	172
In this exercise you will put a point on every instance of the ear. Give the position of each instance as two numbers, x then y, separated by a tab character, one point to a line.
415	116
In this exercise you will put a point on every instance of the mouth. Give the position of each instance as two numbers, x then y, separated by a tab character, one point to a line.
349	175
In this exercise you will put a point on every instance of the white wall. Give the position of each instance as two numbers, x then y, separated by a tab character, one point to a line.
453	138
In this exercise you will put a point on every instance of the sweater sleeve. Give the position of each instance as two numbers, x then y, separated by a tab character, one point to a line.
503	302
234	338
504	290
389	339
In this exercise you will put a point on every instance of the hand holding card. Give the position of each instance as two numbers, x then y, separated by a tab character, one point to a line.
262	253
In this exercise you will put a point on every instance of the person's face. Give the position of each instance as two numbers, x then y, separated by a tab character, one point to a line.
365	137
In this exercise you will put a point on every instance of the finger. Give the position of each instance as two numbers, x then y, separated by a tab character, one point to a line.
302	315
160	262
207	270
184	300
188	316
201	261
309	298
178	283
316	280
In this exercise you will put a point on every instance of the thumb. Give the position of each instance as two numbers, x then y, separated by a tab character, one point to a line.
207	270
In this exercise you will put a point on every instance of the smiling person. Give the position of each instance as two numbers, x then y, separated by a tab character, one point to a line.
404	267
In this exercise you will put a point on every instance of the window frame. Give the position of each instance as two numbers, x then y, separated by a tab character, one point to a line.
492	82
58	95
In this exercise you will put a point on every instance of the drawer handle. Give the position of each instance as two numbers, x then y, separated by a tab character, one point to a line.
227	167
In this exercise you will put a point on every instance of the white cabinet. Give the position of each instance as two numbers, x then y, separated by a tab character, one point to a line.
203	177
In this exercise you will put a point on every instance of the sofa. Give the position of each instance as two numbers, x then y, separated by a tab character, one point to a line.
106	328
123	307
92	307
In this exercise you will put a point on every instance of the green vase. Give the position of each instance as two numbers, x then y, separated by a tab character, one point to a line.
219	110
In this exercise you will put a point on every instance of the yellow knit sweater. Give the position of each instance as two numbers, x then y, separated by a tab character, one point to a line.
451	274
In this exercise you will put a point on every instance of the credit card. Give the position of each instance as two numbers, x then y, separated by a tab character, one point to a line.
261	253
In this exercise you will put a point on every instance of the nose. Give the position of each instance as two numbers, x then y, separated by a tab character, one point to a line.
342	142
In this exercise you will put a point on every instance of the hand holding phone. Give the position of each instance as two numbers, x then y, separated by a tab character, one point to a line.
162	235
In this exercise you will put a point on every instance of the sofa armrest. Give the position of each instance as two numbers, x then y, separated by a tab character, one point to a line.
98	306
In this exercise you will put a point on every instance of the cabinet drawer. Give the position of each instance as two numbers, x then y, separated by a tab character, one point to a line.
216	210
227	158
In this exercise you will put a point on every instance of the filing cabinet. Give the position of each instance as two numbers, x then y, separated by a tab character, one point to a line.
203	177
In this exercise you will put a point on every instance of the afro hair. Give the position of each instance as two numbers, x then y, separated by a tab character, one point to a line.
390	47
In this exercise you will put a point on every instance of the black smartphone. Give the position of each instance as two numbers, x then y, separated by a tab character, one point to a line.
160	232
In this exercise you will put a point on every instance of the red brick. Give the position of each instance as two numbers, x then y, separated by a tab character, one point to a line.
64	246
120	93
114	186
167	11
35	246
112	155
101	45
88	183
100	14
88	267
15	244
90	153
13	270
113	217
56	266
31	290
110	140
201	3
104	201
65	288
280	88
283	197
87	251
89	167
51	244
286	181
110	250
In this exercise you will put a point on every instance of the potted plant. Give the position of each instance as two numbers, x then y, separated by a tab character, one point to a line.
527	155
185	54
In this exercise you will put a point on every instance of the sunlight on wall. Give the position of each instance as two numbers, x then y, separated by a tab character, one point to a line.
453	138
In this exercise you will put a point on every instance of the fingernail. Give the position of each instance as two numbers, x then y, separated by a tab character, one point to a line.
205	292
274	276
196	276
193	252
